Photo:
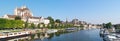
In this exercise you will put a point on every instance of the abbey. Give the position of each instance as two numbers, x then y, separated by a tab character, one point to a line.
26	15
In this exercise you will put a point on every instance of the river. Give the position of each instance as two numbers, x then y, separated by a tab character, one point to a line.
82	35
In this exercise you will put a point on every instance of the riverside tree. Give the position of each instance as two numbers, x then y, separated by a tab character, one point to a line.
108	25
51	19
57	21
8	24
17	18
32	26
38	25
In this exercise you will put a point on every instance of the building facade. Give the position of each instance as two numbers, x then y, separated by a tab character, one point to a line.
26	15
23	12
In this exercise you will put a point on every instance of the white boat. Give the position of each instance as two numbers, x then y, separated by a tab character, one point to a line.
51	31
101	31
112	37
13	34
71	29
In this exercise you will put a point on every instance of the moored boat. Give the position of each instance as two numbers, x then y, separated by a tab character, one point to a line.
51	31
111	37
71	29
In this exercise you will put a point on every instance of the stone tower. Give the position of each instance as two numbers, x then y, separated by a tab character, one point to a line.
23	12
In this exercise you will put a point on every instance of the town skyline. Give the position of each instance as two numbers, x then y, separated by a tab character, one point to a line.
68	9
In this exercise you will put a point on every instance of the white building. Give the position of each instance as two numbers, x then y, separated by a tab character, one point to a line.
23	11
46	21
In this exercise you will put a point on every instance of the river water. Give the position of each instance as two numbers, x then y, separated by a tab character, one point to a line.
82	35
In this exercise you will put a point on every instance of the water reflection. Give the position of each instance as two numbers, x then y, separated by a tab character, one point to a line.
82	35
40	36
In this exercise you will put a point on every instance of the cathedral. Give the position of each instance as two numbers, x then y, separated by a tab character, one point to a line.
23	12
26	15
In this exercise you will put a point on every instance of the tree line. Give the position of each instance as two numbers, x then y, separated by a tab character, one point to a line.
10	24
107	25
54	24
18	23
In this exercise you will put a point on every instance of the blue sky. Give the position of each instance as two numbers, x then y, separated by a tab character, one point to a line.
92	11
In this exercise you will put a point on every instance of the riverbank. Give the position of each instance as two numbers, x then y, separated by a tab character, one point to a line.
82	35
26	32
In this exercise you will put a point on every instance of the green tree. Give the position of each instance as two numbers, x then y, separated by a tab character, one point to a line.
5	23
48	26
51	19
44	25
58	21
19	23
26	25
32	26
108	25
2	23
117	26
38	25
17	18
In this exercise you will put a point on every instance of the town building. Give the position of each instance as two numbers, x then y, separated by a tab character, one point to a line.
86	25
75	22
